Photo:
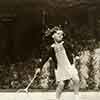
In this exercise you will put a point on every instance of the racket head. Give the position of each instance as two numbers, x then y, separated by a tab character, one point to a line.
22	94
22	91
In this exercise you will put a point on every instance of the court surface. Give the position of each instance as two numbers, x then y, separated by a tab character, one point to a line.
48	96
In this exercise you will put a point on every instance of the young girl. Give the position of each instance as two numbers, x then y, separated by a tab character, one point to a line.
64	68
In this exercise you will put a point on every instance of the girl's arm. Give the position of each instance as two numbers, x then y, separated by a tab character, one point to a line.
46	58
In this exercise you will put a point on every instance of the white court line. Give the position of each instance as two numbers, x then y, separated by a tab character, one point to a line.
48	96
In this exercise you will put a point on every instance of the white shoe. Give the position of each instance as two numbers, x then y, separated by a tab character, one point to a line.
77	97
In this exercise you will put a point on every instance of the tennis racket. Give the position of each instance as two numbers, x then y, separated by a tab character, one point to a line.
26	89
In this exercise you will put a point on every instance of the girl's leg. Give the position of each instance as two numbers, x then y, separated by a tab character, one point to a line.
59	90
75	80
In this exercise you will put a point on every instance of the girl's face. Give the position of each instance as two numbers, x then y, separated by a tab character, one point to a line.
58	36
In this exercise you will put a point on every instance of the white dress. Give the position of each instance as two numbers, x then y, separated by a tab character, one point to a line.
64	69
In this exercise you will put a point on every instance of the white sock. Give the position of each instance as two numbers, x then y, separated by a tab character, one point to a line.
77	97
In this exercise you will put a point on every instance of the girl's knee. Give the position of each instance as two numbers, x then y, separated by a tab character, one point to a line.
61	84
76	80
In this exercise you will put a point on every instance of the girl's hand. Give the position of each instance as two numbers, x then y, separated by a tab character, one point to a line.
38	70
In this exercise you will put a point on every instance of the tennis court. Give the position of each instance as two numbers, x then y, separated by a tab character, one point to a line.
48	96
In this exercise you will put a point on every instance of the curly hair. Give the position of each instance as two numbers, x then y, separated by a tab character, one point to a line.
50	32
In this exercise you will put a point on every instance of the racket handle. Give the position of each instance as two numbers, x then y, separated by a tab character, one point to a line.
37	71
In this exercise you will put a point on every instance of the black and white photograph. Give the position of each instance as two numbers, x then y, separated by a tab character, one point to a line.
49	49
